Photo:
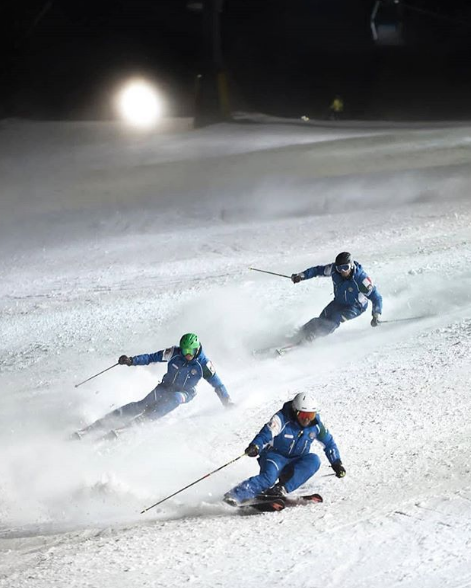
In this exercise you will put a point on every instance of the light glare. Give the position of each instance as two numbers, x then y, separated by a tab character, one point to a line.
139	104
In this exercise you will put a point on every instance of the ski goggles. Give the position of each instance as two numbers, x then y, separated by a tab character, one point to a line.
303	415
345	267
190	351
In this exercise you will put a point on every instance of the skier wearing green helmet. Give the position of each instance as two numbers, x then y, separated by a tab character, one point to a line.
187	364
190	344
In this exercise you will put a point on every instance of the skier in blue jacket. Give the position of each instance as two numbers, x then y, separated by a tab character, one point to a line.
352	290
283	450
187	364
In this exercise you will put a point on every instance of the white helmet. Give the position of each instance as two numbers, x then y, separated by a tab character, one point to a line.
305	403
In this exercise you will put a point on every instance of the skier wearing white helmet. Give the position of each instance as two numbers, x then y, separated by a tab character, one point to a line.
283	450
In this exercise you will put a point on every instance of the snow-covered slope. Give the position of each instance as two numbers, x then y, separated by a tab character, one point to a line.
116	243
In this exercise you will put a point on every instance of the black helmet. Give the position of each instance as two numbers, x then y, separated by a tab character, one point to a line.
343	258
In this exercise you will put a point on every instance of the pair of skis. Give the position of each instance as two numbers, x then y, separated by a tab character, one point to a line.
110	435
279	503
277	351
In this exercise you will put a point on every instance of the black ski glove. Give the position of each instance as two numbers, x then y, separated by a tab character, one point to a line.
125	360
296	278
252	450
375	320
339	469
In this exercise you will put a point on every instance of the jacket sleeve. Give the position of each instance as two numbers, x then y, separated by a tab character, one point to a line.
317	271
330	447
158	356
367	288
210	375
377	301
269	431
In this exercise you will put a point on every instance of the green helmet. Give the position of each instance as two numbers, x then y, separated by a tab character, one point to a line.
190	344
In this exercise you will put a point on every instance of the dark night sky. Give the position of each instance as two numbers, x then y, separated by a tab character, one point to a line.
285	57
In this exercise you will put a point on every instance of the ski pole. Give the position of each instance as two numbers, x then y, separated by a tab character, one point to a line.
99	374
266	272
193	483
400	320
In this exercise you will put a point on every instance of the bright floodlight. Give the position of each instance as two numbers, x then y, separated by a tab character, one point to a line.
139	104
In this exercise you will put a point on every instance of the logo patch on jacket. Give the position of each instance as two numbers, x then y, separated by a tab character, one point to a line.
367	286
312	436
275	425
168	353
193	372
210	367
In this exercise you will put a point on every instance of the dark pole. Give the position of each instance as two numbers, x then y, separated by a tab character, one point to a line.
267	272
216	7
211	97
98	374
193	483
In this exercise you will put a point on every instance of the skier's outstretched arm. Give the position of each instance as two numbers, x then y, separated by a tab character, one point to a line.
159	356
313	272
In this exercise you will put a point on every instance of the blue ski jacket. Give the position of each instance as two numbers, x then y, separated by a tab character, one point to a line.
184	375
284	435
354	291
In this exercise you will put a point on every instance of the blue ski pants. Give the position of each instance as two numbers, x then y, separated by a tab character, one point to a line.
162	400
330	319
272	466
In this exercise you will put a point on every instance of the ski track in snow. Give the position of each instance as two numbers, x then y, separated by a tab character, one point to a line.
125	243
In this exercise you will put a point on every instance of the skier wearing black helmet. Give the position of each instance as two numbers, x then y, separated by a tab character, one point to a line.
352	290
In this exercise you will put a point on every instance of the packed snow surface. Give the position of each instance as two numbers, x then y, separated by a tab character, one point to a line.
117	242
